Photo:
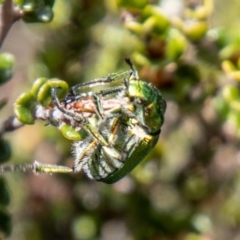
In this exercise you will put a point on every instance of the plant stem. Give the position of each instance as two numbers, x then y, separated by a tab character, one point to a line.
9	13
9	125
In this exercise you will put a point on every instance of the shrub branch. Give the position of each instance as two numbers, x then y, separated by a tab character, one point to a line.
9	13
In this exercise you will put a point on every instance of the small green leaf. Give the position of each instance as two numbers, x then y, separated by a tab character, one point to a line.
154	20
176	44
37	85
230	93
44	95
70	133
24	107
195	30
228	66
135	27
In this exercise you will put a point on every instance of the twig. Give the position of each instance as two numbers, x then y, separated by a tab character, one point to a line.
36	167
9	125
57	118
9	13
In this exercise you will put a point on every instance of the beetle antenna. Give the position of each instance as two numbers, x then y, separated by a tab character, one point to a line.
134	73
128	61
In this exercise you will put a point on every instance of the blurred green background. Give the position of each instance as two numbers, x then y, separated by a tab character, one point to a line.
188	187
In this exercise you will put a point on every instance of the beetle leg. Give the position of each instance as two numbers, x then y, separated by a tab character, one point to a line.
75	116
84	121
95	133
114	129
100	81
111	91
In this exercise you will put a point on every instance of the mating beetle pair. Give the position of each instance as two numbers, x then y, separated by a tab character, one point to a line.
113	129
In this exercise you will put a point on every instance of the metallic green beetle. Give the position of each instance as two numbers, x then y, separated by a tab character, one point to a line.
116	142
114	138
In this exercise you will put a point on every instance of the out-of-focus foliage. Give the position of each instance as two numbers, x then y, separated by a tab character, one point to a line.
37	10
6	67
5	151
5	218
188	187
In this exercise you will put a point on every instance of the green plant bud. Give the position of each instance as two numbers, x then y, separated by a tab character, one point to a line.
37	85
132	4
235	105
228	66
229	51
195	30
233	117
141	59
221	36
45	15
153	25
154	20
221	106
235	75
151	10
32	5
230	93
44	95
29	6
70	133
24	107
6	66
4	196
5	150
203	12
37	11
135	27
176	44
5	222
